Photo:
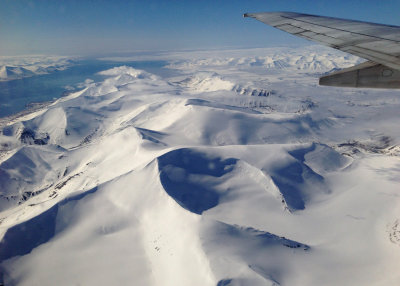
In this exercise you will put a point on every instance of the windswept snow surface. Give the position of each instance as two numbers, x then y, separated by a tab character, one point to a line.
237	170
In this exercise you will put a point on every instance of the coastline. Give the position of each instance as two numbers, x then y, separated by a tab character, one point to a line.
16	95
30	109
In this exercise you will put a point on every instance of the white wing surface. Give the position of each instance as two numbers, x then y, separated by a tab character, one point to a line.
378	43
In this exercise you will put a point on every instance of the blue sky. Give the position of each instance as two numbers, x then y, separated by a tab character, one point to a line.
89	27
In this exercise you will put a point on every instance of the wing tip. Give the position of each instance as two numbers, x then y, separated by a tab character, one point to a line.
251	15
260	14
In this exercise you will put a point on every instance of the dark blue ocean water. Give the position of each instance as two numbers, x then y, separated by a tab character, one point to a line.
15	95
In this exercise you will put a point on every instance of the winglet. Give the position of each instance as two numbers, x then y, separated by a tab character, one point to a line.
248	15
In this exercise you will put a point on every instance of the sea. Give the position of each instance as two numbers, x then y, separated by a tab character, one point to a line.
21	94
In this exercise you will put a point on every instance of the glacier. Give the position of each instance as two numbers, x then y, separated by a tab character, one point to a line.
236	169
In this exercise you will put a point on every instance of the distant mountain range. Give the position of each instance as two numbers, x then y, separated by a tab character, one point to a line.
9	73
21	67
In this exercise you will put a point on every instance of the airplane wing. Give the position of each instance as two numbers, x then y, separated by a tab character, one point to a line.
378	43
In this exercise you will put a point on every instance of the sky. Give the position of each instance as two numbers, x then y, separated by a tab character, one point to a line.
89	27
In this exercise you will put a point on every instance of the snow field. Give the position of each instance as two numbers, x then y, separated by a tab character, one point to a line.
235	172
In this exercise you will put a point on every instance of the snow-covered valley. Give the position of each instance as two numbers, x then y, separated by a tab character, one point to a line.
238	169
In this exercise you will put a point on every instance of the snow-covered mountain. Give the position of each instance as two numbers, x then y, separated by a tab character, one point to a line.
220	174
7	72
26	66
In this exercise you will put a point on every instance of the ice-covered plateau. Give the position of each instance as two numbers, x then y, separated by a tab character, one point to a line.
238	170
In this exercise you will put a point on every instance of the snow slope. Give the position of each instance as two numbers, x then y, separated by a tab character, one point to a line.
222	174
